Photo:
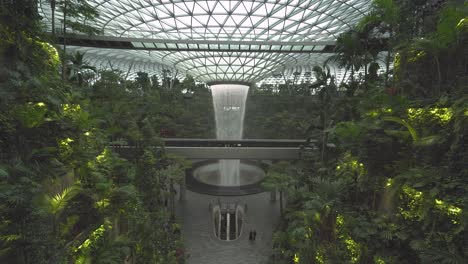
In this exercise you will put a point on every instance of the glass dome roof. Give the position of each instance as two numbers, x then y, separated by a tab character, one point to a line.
268	28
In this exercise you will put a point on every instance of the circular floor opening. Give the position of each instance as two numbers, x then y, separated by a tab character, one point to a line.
205	177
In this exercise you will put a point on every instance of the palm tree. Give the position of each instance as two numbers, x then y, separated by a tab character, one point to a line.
385	17
175	173
279	179
325	82
52	7
78	68
348	52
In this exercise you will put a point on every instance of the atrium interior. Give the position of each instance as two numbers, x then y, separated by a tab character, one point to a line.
228	132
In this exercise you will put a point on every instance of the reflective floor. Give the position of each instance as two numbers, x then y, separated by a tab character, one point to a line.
204	248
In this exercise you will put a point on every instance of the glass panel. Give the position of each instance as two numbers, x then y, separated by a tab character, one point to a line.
138	44
318	47
160	45
171	45
193	46
182	46
275	47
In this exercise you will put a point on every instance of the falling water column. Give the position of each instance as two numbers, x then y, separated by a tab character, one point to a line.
229	105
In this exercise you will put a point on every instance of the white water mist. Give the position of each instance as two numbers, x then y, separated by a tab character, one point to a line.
229	105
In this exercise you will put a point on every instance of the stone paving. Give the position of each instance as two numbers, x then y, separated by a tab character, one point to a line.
204	248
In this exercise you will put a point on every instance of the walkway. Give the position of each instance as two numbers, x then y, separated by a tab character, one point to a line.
204	248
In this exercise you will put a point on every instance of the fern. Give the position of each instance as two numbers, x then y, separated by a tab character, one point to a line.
56	204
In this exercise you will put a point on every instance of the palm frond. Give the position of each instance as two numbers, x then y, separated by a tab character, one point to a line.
56	203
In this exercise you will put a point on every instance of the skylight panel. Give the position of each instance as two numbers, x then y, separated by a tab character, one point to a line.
198	8
220	18
275	47
261	12
211	5
182	46
138	44
186	20
297	47
189	5
203	46
318	48
248	5
160	45
212	22
230	22
171	45
179	9
220	9
254	47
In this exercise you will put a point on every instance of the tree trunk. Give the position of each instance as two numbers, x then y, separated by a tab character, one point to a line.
182	190
64	61
344	75
52	6
439	75
273	196
281	202
365	76
387	60
324	136
172	200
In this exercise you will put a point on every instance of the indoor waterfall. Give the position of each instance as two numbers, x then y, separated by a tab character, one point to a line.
229	105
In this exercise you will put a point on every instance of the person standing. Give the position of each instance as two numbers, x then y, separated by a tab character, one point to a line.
254	234
250	235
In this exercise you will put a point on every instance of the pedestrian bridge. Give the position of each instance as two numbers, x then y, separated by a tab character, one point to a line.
256	149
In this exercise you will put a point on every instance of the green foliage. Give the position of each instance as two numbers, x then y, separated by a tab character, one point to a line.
79	15
57	203
31	115
347	131
278	177
66	197
394	189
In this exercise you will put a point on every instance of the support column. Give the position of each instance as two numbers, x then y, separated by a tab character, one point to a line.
182	190
237	223
219	223
273	196
228	230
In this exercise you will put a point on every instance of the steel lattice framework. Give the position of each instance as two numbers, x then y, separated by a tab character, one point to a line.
218	41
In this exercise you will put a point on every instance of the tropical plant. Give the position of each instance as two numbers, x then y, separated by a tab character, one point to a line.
279	179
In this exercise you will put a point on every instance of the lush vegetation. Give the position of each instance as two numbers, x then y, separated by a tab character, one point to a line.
393	189
66	197
274	115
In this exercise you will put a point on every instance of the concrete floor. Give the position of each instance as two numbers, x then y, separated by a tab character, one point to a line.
203	247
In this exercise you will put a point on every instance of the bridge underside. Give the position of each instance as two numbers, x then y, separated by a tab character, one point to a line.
215	153
212	149
255	153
